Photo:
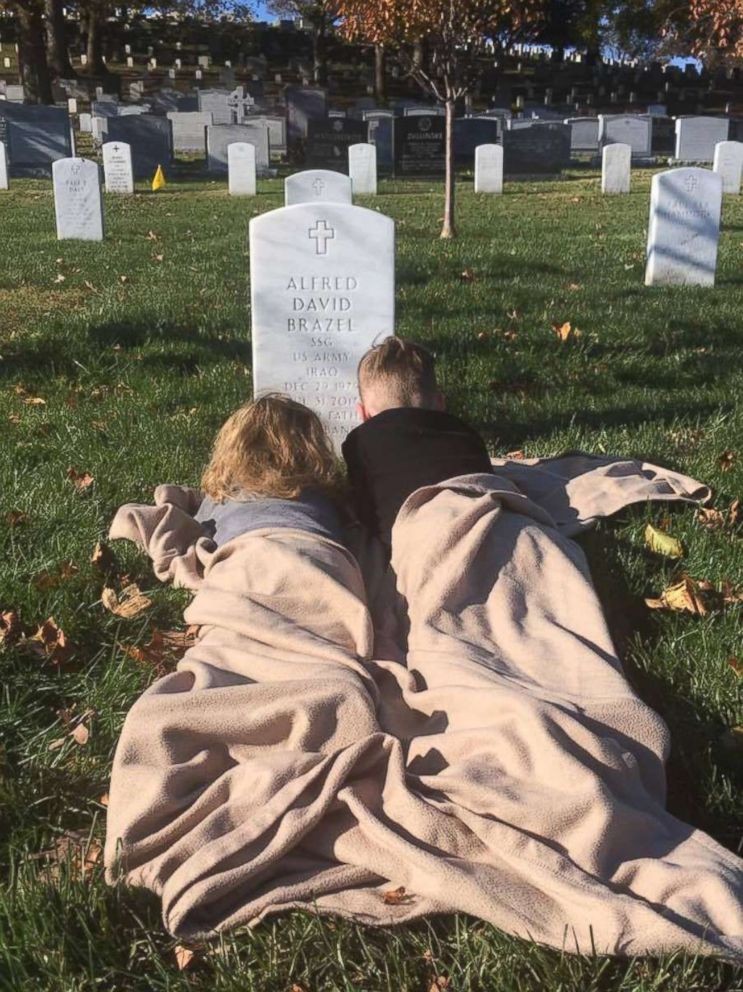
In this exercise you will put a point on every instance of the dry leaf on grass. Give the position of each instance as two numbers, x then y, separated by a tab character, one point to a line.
183	957
736	665
686	596
130	602
166	647
15	518
468	275
80	480
103	558
711	519
663	544
34	401
103	800
566	331
73	848
10	627
49	643
726	460
51	579
439	983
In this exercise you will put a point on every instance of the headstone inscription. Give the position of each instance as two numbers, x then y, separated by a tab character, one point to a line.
319	303
220	136
241	169
328	141
118	174
696	137
317	186
150	139
489	169
728	163
542	149
616	166
419	144
3	166
189	131
77	199
362	168
684	229
35	136
627	129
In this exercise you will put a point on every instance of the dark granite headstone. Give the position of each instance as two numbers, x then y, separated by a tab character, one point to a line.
736	129
540	149
419	145
104	108
469	132
663	136
150	139
303	105
327	142
36	136
380	135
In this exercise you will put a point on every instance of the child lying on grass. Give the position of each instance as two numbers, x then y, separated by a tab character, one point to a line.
271	466
407	439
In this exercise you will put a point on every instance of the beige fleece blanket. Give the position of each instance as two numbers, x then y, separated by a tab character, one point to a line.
508	771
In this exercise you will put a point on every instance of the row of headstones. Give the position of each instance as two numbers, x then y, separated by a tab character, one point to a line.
310	330
616	167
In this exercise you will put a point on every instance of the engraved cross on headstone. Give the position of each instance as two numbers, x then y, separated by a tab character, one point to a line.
318	185
321	234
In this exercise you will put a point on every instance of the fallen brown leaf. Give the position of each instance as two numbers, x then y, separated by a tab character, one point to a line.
165	648
468	275
103	558
183	957
686	596
566	331
663	544
34	401
75	849
710	518
50	642
726	460
736	665
80	480
81	734
14	418
50	580
103	800
129	603
10	627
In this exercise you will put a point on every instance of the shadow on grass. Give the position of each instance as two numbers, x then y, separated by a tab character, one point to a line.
57	356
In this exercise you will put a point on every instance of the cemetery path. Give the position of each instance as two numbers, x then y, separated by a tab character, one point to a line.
508	771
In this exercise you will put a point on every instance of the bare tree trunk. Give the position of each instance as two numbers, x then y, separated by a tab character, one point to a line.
449	230
32	54
96	65
319	67
57	54
380	82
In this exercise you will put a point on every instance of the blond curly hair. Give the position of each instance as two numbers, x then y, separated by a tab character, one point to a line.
272	446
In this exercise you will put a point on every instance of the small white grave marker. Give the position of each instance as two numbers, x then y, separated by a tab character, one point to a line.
684	229
241	168
317	186
322	292
616	168
729	164
77	199
117	167
362	168
3	166
489	169
72	105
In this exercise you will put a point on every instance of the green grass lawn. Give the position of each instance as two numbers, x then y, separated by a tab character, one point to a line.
139	347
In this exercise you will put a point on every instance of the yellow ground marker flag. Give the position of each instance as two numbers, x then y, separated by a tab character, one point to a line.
158	180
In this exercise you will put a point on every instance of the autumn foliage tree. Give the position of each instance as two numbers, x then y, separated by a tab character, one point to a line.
716	29
441	44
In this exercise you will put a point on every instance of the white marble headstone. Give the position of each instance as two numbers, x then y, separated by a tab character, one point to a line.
584	133
189	130
728	164
117	167
322	280
489	169
85	122
317	186
72	105
3	166
616	168
684	229
241	168
362	168
77	199
696	137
